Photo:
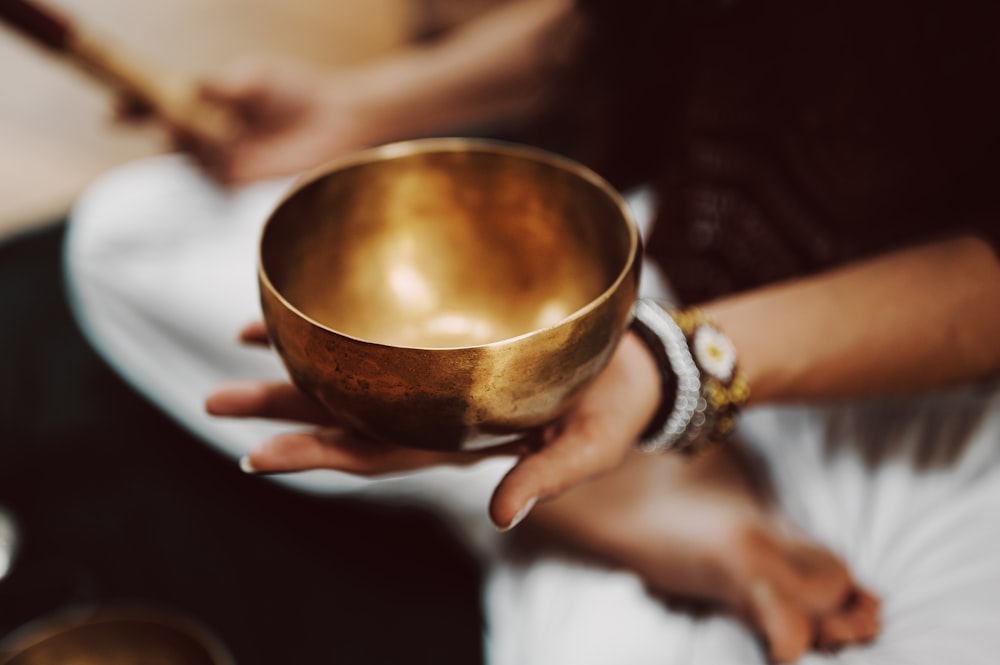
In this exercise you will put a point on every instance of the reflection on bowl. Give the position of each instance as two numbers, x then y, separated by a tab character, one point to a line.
448	293
114	635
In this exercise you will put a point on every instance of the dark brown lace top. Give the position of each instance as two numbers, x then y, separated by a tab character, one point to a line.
807	134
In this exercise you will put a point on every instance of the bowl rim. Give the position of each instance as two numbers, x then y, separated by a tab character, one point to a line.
82	616
455	144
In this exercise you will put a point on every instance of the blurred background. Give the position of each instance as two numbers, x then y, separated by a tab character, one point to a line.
114	503
56	132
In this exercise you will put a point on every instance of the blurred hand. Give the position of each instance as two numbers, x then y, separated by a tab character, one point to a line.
290	118
592	439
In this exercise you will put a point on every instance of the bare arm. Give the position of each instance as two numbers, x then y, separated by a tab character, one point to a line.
917	319
484	72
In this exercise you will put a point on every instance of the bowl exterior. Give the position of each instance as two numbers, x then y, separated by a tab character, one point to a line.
460	397
450	399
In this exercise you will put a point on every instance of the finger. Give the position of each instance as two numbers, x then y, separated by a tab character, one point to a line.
258	399
304	451
594	437
130	109
255	334
803	570
213	156
185	142
581	451
214	162
273	150
786	628
343	450
857	621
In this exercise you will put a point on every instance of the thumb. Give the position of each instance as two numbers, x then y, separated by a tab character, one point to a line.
570	457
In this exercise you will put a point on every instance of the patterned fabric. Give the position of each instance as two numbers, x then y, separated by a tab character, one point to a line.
811	134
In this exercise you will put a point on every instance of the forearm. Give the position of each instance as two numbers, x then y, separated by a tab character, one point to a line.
486	71
917	319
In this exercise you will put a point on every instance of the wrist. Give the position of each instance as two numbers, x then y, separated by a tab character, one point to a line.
652	387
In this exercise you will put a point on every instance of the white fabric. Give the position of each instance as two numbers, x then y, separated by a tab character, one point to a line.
161	269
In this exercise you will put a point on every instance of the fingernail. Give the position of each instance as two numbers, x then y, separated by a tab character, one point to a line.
246	465
521	514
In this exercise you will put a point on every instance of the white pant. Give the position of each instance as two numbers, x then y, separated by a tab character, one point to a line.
162	275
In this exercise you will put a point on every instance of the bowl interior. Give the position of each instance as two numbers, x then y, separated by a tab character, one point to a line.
446	248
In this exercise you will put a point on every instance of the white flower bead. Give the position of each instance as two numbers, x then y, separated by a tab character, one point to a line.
714	352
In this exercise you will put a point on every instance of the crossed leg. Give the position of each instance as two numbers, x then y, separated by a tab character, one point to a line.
702	529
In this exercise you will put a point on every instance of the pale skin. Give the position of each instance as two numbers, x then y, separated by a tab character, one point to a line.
921	318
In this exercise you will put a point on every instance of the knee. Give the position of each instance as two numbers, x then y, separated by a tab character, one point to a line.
129	208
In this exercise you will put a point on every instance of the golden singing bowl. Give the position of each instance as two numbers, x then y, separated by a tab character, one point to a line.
448	293
120	635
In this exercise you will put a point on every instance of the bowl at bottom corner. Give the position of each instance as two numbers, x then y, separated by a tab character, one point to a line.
119	634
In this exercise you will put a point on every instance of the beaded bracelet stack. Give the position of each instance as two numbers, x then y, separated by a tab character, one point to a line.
698	366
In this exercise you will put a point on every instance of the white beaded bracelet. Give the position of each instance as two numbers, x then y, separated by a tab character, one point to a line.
666	341
698	361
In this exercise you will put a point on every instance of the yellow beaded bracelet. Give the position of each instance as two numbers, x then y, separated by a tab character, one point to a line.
723	386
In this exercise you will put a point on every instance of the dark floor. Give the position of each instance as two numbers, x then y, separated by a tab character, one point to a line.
116	503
